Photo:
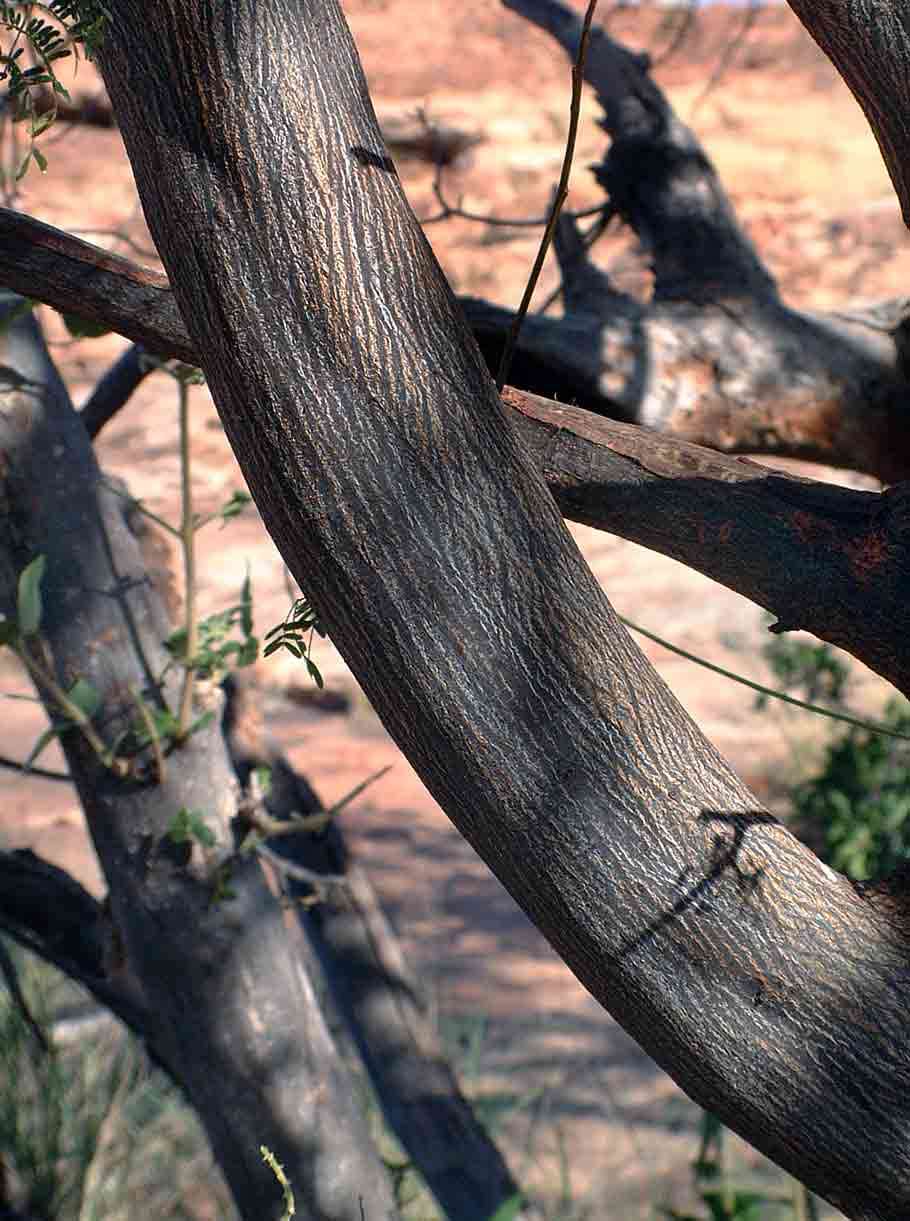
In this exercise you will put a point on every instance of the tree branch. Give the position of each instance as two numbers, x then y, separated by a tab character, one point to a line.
821	558
715	357
229	1009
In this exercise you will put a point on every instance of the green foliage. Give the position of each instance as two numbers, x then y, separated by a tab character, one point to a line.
29	607
815	669
189	826
49	30
723	1200
216	652
295	634
86	1127
860	800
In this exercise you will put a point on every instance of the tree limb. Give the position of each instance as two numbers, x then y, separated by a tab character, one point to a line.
715	357
820	558
385	469
376	994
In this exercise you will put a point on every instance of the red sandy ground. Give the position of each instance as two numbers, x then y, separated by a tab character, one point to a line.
808	182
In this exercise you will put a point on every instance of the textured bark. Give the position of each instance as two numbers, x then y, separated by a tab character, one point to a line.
385	469
230	1010
374	991
715	357
820	558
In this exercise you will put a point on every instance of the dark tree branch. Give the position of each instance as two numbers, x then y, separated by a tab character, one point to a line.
115	389
45	264
825	559
48	912
656	174
715	358
821	558
386	471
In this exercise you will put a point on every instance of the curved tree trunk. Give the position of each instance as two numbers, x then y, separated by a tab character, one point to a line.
773	990
223	1000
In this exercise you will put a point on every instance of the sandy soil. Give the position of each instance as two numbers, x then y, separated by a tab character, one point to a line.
808	181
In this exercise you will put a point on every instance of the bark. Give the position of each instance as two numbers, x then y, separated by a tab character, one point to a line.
373	989
386	471
715	357
231	1012
820	558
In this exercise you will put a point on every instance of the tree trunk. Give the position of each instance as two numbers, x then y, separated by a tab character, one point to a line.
378	998
773	990
230	1011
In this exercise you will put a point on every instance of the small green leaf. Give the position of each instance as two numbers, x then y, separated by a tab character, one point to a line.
29	607
188	825
8	632
235	506
263	776
85	697
246	606
41	122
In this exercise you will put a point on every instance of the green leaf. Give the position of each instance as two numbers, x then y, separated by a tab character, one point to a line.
8	632
189	825
41	122
29	609
246	605
85	697
235	506
83	328
509	1208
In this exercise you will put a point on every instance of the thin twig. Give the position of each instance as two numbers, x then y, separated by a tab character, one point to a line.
846	717
42	773
188	542
562	190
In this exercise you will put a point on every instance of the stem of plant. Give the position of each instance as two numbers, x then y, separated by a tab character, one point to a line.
562	191
188	544
72	712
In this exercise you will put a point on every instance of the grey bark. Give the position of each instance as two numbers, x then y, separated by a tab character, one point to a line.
374	991
230	1010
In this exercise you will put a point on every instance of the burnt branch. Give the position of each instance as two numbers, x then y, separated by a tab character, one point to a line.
715	357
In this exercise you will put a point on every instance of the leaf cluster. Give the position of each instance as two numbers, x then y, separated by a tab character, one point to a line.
50	30
295	633
217	651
